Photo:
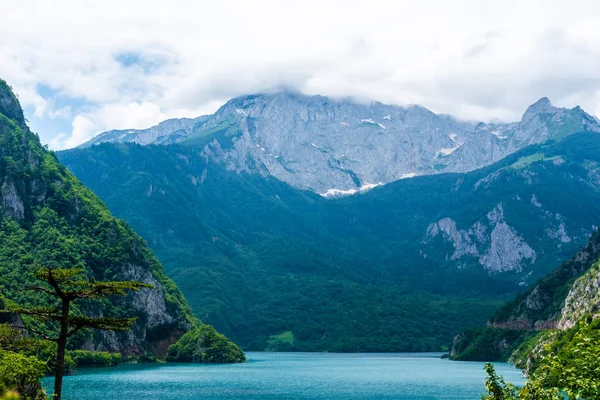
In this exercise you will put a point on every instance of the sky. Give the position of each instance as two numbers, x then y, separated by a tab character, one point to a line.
83	67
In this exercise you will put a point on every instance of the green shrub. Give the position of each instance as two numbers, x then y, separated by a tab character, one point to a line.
83	358
22	374
567	367
205	345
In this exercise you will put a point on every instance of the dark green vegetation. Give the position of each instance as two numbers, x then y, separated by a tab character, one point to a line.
519	324
552	332
566	367
540	305
205	345
83	358
485	344
257	258
47	217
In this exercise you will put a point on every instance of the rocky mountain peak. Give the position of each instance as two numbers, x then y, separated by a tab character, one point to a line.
542	106
331	145
9	104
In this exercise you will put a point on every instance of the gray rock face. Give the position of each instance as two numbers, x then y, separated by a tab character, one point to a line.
147	302
496	245
583	299
337	147
163	133
12	204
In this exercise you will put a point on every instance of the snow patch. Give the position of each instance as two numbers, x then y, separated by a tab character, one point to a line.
370	121
409	175
535	201
388	117
444	151
340	192
498	134
344	124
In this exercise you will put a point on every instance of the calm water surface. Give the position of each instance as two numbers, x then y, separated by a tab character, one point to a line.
290	376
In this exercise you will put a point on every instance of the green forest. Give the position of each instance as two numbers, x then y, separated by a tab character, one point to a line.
255	257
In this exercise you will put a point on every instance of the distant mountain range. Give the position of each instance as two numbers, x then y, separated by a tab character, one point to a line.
337	147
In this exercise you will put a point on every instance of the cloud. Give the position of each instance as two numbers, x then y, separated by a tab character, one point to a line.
110	116
136	62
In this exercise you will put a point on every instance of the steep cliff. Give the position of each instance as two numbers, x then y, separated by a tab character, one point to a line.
557	303
47	217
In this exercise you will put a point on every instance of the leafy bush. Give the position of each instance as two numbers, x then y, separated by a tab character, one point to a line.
205	345
22	374
489	344
83	358
567	367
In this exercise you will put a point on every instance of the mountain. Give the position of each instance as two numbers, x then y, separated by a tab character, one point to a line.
541	307
337	147
47	217
546	318
401	267
169	131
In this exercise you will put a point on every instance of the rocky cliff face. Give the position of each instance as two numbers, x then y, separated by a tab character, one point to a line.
337	147
569	294
583	299
497	246
48	217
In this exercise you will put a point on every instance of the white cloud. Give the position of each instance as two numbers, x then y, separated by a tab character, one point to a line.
470	58
110	116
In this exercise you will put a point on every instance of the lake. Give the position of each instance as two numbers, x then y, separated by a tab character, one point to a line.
290	376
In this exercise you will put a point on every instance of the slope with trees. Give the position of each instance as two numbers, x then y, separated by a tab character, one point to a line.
396	269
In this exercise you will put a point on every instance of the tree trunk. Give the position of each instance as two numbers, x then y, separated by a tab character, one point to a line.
60	354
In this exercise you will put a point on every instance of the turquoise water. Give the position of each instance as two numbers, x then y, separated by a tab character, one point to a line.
290	376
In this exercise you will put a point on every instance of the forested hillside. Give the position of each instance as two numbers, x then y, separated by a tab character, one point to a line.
552	311
403	267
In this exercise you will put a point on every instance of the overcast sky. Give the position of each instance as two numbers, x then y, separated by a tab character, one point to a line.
82	67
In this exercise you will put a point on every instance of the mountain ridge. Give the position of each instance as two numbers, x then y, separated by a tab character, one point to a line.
340	146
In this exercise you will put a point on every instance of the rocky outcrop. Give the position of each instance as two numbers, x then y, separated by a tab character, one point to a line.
583	299
556	303
12	204
495	244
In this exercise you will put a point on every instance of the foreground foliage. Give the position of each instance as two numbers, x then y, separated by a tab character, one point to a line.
21	374
567	367
205	345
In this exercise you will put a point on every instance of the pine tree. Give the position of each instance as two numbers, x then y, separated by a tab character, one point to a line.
69	286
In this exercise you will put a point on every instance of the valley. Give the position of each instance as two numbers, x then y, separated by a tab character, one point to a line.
407	264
